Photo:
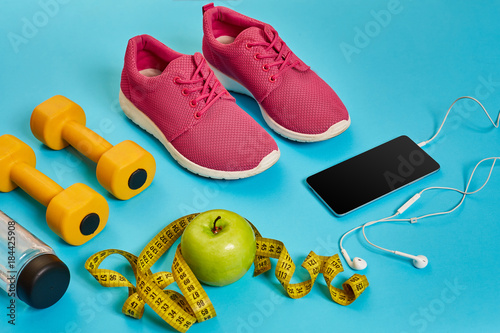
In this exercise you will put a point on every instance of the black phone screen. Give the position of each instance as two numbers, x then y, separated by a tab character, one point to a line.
368	176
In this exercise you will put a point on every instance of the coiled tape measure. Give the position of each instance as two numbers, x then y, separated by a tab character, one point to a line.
182	310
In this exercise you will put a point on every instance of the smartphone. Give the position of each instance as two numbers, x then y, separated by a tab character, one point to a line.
371	175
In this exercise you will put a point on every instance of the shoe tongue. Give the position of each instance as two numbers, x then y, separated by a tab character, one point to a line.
198	59
188	64
254	34
266	34
269	32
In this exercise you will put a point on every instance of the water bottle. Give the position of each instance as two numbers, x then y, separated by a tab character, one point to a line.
29	268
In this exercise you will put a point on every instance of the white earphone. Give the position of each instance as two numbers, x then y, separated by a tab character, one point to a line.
358	264
419	261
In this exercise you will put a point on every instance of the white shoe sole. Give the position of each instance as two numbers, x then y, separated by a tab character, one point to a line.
233	85
138	117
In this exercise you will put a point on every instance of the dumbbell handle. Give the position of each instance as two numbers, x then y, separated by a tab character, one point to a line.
85	140
35	183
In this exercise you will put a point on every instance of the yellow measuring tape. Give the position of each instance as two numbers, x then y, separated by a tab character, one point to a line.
182	310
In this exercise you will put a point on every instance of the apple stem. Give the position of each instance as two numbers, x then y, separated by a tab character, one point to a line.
216	229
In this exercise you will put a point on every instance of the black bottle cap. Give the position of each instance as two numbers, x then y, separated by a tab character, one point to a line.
137	179
43	281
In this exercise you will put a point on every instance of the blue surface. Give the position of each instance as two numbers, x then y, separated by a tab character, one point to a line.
399	79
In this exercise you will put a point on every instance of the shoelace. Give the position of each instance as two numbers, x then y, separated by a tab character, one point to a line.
283	58
207	93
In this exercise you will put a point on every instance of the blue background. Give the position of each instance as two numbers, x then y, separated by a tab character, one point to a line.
399	79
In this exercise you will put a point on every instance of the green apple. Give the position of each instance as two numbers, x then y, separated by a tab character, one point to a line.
219	247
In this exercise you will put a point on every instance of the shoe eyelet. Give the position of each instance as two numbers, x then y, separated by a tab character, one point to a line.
272	78
184	92
197	115
193	103
266	68
256	56
248	47
176	80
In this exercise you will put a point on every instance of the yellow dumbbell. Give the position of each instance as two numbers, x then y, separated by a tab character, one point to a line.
125	170
76	214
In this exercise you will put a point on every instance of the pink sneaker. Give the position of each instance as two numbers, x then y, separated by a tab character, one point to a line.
178	99
250	58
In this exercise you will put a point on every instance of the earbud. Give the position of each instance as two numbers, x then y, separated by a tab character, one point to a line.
419	261
357	263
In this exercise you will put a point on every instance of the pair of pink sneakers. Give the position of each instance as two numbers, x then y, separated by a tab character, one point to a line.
180	100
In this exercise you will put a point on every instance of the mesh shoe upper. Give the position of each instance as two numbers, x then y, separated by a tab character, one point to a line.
291	93
197	116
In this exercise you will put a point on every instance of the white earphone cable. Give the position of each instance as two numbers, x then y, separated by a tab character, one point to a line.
415	219
410	202
496	125
359	227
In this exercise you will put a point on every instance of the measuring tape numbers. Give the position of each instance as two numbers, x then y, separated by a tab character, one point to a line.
182	310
